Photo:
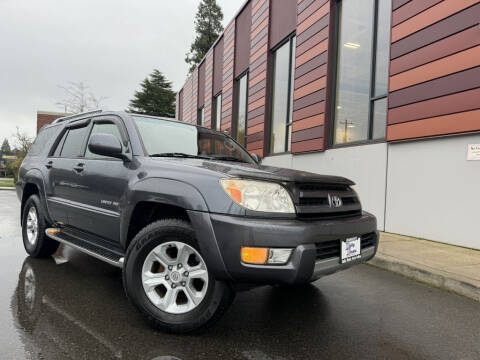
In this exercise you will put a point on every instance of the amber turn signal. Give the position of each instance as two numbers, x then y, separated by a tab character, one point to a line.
53	231
252	255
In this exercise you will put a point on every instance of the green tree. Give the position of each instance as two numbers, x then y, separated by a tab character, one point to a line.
5	149
208	26
155	98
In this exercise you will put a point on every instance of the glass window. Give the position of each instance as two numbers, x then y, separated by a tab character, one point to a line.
165	138
44	140
218	112
383	48
282	97
73	144
241	109
104	128
379	118
201	116
357	115
58	149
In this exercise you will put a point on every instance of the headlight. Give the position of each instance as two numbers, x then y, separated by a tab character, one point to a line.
259	195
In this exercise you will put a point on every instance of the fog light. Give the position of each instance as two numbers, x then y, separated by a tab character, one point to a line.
261	256
279	256
254	255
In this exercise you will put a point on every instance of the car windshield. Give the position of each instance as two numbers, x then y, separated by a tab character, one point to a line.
163	138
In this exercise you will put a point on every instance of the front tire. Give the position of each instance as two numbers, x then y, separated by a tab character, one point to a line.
35	241
167	279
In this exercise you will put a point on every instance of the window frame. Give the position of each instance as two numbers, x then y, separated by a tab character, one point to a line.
271	85
62	137
236	93
372	97
121	130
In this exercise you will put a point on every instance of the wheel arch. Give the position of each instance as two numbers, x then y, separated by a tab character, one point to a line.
158	198
180	200
33	185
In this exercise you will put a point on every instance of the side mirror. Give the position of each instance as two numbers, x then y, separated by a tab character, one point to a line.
106	145
257	158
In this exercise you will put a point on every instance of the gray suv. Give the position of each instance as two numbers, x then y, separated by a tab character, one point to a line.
188	214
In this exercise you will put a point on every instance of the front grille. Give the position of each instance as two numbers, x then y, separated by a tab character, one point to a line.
312	201
331	248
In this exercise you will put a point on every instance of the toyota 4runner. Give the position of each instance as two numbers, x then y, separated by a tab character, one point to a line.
187	213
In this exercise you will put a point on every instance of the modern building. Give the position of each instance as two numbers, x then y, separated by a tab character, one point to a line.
384	92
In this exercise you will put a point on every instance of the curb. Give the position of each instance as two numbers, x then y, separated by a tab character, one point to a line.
7	188
424	276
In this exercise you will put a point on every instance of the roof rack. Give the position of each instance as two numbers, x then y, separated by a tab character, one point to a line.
71	117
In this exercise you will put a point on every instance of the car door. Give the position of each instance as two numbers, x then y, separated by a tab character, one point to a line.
104	183
64	189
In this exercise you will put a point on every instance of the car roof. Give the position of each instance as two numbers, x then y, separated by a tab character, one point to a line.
80	116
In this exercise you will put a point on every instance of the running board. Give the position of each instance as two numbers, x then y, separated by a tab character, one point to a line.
86	247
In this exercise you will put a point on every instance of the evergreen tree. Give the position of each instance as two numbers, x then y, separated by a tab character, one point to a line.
208	26
5	149
155	98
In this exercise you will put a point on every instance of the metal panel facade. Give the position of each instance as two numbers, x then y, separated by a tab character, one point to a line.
434	78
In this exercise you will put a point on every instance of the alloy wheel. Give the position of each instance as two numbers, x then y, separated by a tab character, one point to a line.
32	225
175	277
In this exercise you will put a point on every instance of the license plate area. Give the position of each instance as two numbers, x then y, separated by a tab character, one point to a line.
350	249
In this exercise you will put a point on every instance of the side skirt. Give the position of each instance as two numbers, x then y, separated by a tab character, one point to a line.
69	237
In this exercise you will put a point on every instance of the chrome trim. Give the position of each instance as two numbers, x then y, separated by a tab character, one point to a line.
85	207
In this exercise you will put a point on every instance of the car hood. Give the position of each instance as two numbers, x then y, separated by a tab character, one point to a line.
262	172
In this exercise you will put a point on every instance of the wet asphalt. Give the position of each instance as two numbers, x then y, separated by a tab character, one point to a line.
78	310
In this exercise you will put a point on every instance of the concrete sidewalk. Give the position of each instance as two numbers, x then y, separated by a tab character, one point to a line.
445	266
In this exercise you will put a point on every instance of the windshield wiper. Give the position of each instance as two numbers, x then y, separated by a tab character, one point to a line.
228	158
180	155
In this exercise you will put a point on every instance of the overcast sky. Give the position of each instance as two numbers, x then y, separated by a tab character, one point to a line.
111	45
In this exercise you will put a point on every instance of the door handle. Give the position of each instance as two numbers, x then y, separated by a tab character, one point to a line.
49	165
79	167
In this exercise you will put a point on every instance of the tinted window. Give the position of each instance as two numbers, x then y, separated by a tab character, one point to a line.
72	147
60	145
44	140
104	128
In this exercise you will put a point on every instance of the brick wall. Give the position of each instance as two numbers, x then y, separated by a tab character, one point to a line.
45	117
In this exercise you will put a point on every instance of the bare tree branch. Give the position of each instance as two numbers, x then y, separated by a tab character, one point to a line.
22	142
79	98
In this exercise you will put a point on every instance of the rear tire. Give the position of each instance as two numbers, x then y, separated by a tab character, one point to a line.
166	278
36	242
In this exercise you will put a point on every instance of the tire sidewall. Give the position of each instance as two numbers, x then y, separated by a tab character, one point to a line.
140	247
34	249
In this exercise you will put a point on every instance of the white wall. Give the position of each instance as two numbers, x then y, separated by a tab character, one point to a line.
366	165
433	191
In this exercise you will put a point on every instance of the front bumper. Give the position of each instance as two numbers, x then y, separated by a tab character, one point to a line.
232	232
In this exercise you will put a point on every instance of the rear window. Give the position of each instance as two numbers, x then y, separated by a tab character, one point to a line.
73	145
44	140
